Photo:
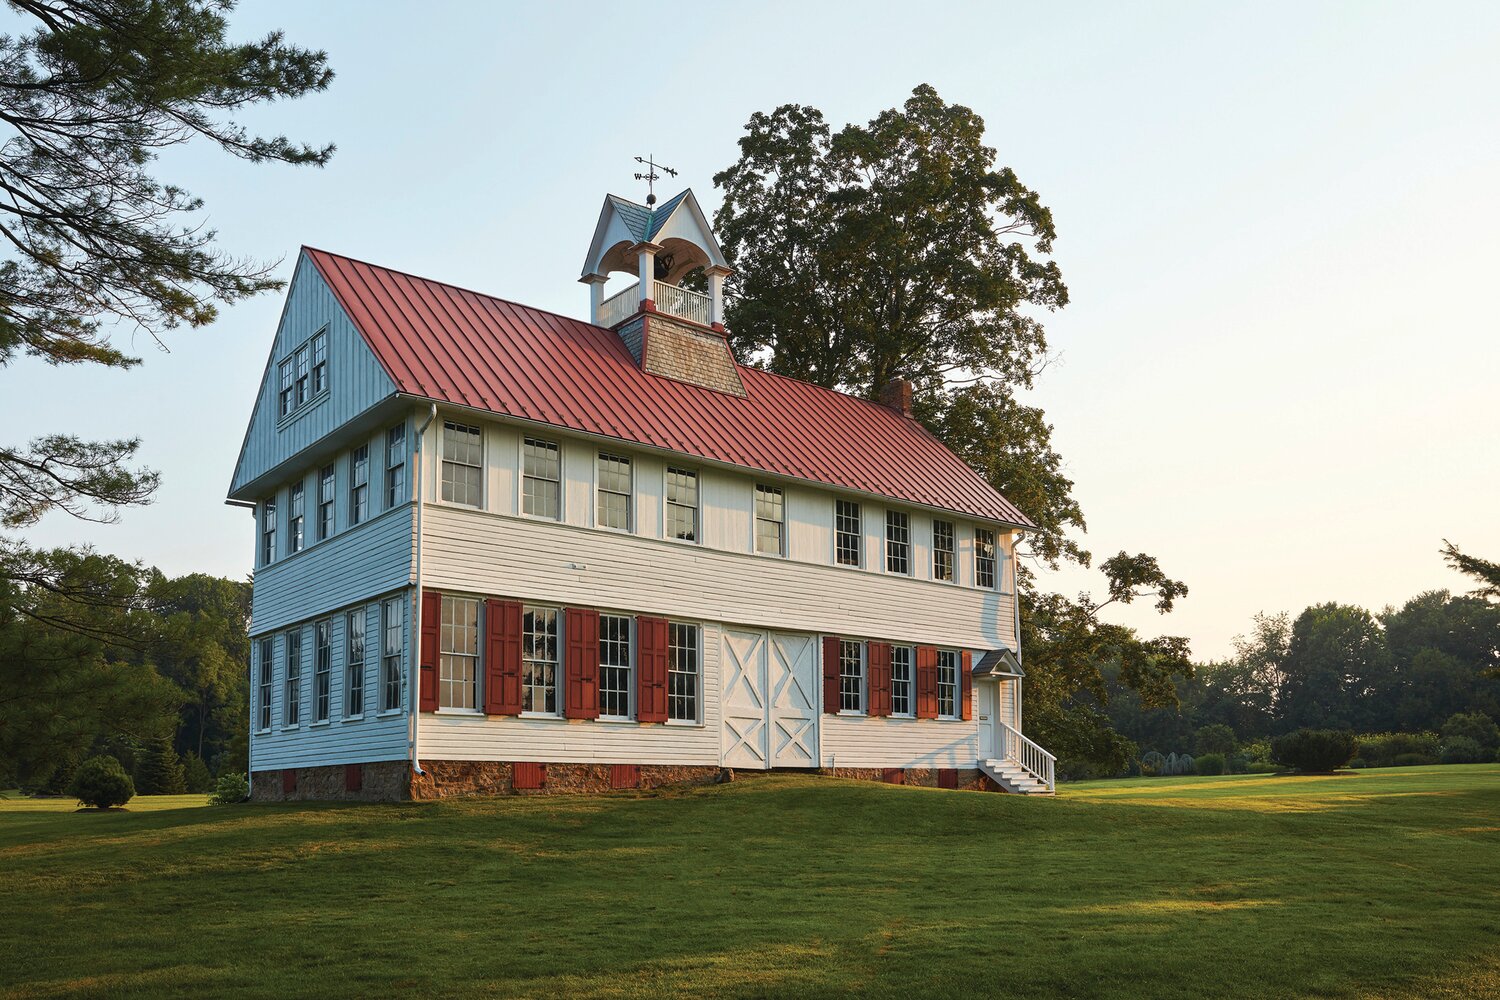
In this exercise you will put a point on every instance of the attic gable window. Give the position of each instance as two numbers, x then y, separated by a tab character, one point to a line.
302	375
682	505
541	490
847	533
463	460
319	363
942	550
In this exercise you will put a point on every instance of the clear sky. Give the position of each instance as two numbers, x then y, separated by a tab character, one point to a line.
1279	223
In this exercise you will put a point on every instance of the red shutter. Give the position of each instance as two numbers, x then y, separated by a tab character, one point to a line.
966	681
927	700
354	777
625	776
651	669
947	777
528	775
432	620
581	637
879	658
831	701
502	658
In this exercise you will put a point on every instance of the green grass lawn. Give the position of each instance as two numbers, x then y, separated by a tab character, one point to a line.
1371	884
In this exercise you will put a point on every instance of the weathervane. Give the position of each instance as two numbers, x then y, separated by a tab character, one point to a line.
651	176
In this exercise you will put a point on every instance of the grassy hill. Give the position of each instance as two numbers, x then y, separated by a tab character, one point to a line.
1372	884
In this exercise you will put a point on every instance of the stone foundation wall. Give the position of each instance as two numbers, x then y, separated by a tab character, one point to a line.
384	781
969	778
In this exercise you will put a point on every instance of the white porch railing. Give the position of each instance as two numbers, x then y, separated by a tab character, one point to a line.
675	301
620	306
1037	762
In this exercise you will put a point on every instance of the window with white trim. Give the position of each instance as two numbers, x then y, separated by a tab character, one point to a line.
458	659
539	660
359	484
291	695
463	462
296	504
984	558
942	550
848	536
354	664
541	481
770	520
615	490
393	613
898	542
319	363
302	375
286	390
614	666
268	531
267	678
322	669
851	676
682	504
395	466
947	683
302	372
682	672
325	503
901	681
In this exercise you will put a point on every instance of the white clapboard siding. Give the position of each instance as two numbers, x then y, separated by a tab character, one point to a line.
529	559
372	558
356	379
857	741
444	736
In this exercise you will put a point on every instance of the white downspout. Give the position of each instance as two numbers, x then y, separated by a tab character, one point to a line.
415	672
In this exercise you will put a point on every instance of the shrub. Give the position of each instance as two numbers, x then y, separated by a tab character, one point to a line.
195	773
1381	749
102	783
1463	750
1185	764
1314	750
1236	763
1475	726
1217	738
1209	763
231	788
1413	760
1358	763
1261	767
1153	764
1258	750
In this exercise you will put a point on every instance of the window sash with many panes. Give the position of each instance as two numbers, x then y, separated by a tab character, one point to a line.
539	660
984	558
615	487
851	676
897	542
302	395
458	659
395	466
392	613
267	678
682	504
614	666
463	460
354	664
770	520
319	363
325	502
359	484
286	391
942	550
291	695
541	481
848	536
268	532
682	672
322	669
295	509
901	681
947	683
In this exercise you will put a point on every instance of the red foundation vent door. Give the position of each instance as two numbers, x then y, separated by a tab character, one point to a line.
624	776
528	776
893	776
288	780
947	777
354	777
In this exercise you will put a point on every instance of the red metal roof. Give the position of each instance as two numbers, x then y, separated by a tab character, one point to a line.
456	346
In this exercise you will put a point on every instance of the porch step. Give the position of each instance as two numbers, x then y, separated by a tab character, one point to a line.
1013	778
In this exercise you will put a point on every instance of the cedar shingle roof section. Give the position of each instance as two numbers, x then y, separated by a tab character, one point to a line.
453	345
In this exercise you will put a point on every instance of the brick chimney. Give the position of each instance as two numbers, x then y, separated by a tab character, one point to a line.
897	395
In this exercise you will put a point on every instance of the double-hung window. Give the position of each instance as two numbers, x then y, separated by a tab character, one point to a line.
463	460
268	531
303	367
539	660
303	375
947	683
319	363
614	667
770	520
541	480
942	550
354	664
851	676
848	536
901	680
267	676
359	484
295	510
325	503
682	504
286	393
984	558
394	612
458	660
291	695
395	466
322	669
682	672
898	542
615	489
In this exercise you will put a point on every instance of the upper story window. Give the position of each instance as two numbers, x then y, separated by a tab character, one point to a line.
848	536
463	460
942	550
901	680
287	392
291	697
267	668
682	672
458	668
615	490
303	375
770	520
541	487
268	531
392	614
354	664
395	466
322	669
359	484
947	683
296	504
851	676
682	504
319	363
984	558
897	542
614	667
539	660
325	502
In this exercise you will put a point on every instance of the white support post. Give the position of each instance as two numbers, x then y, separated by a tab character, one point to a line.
647	258
716	276
596	294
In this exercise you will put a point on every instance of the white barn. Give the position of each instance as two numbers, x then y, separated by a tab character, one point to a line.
499	549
